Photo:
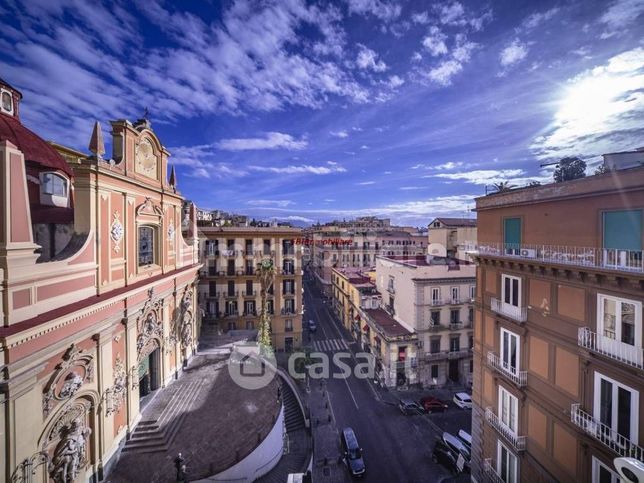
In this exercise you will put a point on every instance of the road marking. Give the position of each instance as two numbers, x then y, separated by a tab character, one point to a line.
351	393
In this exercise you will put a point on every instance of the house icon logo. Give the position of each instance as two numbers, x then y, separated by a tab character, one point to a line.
249	368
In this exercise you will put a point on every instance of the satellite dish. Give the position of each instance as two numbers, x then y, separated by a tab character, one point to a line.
436	250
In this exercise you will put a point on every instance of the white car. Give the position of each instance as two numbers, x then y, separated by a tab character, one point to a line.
463	400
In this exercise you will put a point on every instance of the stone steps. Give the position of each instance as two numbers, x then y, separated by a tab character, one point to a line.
154	435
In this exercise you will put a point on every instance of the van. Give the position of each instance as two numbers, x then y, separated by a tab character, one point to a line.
352	453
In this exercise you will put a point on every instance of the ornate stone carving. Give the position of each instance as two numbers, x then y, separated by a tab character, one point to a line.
116	231
149	208
76	368
171	232
115	395
25	471
186	318
150	326
70	455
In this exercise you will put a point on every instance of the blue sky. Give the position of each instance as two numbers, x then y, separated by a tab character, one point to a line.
311	111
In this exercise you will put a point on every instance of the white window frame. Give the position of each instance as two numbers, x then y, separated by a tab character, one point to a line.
436	291
597	466
512	417
454	291
52	198
635	405
601	300
13	107
510	478
519	288
472	292
506	365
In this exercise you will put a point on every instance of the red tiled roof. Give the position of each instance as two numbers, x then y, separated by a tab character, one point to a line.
34	147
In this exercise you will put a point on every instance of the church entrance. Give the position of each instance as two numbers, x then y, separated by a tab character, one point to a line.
149	375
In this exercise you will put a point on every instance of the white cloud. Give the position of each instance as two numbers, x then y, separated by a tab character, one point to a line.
278	203
386	11
416	57
271	140
620	15
366	183
395	81
410	188
329	200
434	41
534	20
364	146
421	18
296	218
513	53
464	48
339	134
443	73
447	166
488	176
330	168
600	110
368	59
451	14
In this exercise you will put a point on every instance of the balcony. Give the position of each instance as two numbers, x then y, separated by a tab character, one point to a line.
288	311
248	294
401	364
232	313
518	314
455	301
587	257
434	356
517	442
520	378
604	434
234	294
250	313
458	354
490	473
228	253
436	327
614	349
456	325
288	329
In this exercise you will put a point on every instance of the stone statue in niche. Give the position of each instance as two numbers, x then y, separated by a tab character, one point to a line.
70	454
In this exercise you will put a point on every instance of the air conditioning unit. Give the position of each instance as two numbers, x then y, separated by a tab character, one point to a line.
528	253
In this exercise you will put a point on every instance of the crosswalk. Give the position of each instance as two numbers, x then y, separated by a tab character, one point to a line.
330	345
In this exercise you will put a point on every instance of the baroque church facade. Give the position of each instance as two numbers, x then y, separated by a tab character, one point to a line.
97	294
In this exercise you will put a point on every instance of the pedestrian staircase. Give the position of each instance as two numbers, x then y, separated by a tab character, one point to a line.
297	442
155	434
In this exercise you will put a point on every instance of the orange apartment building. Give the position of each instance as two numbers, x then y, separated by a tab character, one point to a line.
559	372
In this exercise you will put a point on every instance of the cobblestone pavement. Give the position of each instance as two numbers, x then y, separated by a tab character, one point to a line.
218	426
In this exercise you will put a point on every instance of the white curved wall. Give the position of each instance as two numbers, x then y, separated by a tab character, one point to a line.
262	460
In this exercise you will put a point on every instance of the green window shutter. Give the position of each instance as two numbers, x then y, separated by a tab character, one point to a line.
512	231
623	230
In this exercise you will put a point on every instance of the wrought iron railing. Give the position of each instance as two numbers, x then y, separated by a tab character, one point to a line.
518	314
490	473
518	442
620	444
609	347
520	378
601	258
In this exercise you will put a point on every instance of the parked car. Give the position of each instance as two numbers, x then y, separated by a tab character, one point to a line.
312	325
442	454
463	400
409	407
466	438
352	453
433	405
458	447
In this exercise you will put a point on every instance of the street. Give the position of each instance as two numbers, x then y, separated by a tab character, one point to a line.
396	448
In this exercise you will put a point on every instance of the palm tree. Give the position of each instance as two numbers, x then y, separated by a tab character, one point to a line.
502	186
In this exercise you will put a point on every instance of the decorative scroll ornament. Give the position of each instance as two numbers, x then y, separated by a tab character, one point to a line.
115	395
70	455
76	368
150	326
25	471
116	231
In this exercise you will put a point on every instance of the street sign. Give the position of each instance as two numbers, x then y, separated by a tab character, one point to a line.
460	463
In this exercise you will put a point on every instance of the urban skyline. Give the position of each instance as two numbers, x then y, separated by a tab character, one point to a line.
345	109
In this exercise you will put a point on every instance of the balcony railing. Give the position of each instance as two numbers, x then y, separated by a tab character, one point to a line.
412	362
232	313
490	473
252	293
436	327
615	349
601	258
228	253
232	294
518	314
457	354
520	378
604	434
434	356
250	313
288	311
518	442
456	325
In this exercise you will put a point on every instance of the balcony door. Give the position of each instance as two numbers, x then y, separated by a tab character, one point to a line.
619	327
511	290
510	351
508	410
617	407
506	463
512	235
622	238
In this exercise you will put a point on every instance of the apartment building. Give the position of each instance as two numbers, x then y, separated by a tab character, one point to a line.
455	234
358	304
432	296
558	354
358	249
229	290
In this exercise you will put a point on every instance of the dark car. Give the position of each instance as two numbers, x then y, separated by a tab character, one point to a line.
458	447
433	405
444	456
312	325
409	407
352	453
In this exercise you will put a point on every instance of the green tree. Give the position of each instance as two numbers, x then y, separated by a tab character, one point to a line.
569	168
602	169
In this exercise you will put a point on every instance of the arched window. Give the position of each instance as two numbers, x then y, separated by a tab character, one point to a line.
7	102
147	245
53	184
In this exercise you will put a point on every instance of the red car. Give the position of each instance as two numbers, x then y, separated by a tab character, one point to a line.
432	405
